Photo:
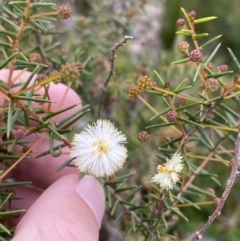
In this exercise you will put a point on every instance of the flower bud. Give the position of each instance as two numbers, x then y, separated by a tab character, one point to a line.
54	73
35	58
64	11
133	91
211	190
211	66
202	86
183	47
143	136
70	71
181	22
195	55
78	66
212	85
40	77
144	83
18	134
223	68
216	201
181	101
171	115
192	15
236	80
153	84
167	85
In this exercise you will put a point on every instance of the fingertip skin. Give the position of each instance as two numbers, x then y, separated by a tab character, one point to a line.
47	165
59	214
56	92
93	194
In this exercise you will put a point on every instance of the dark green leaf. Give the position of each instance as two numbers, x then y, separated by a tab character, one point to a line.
14	26
10	122
181	61
8	12
229	110
114	207
161	125
202	47
186	32
66	163
8	33
200	36
203	20
234	59
4	229
176	210
120	179
19	3
191	122
212	55
5	45
42	5
119	216
220	74
197	72
14	184
159	78
69	117
4	64
123	189
38	26
160	114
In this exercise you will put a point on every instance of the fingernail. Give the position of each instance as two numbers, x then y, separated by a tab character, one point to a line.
91	191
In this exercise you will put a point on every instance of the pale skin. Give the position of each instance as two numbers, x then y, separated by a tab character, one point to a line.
59	206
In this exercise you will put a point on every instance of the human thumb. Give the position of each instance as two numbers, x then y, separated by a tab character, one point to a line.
67	210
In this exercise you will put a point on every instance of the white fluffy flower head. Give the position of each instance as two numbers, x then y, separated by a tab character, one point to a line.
99	149
168	173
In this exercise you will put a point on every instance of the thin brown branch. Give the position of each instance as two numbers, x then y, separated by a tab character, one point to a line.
233	175
22	157
111	72
25	108
16	42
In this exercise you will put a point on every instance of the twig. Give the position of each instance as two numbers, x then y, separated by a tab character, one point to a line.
22	157
233	175
111	72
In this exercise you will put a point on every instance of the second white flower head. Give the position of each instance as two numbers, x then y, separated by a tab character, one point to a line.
99	149
168	173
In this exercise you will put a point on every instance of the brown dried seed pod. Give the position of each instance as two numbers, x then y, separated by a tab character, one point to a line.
143	136
64	11
171	115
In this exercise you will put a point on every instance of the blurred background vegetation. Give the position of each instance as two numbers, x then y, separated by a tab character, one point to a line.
88	36
153	25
